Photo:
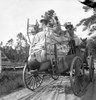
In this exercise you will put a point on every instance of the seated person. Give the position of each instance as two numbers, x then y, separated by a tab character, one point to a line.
38	41
73	38
37	52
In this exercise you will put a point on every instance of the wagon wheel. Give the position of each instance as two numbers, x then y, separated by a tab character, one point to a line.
32	78
77	77
91	68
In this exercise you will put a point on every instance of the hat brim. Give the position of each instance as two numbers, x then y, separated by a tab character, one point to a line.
69	26
43	20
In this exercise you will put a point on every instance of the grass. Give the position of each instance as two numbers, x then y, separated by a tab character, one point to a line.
10	81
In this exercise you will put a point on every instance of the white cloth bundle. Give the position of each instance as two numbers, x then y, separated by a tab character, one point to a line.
45	40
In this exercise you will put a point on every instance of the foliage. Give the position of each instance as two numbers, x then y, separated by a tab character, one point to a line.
86	8
22	47
51	17
10	42
87	22
48	15
92	45
10	81
89	3
21	50
1	44
90	23
9	52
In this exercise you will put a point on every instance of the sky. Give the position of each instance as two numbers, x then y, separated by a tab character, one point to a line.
14	14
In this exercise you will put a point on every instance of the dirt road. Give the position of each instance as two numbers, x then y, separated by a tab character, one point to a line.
53	90
49	90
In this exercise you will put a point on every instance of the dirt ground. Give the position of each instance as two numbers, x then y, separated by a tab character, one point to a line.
53	90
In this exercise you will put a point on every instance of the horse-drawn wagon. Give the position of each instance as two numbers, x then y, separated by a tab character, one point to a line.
60	61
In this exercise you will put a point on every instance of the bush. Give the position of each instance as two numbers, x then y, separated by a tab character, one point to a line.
10	81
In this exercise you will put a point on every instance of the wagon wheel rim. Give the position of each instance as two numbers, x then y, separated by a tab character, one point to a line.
91	69
77	76
32	79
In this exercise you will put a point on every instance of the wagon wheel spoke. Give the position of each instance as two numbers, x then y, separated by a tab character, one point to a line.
32	78
77	86
39	78
76	81
29	81
28	77
32	84
79	68
35	83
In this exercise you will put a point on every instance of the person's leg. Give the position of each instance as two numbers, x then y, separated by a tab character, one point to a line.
72	49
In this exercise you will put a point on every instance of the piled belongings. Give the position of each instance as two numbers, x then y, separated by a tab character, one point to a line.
46	39
42	47
44	44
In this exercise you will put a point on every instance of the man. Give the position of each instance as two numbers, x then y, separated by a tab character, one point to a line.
38	42
37	52
71	35
73	38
